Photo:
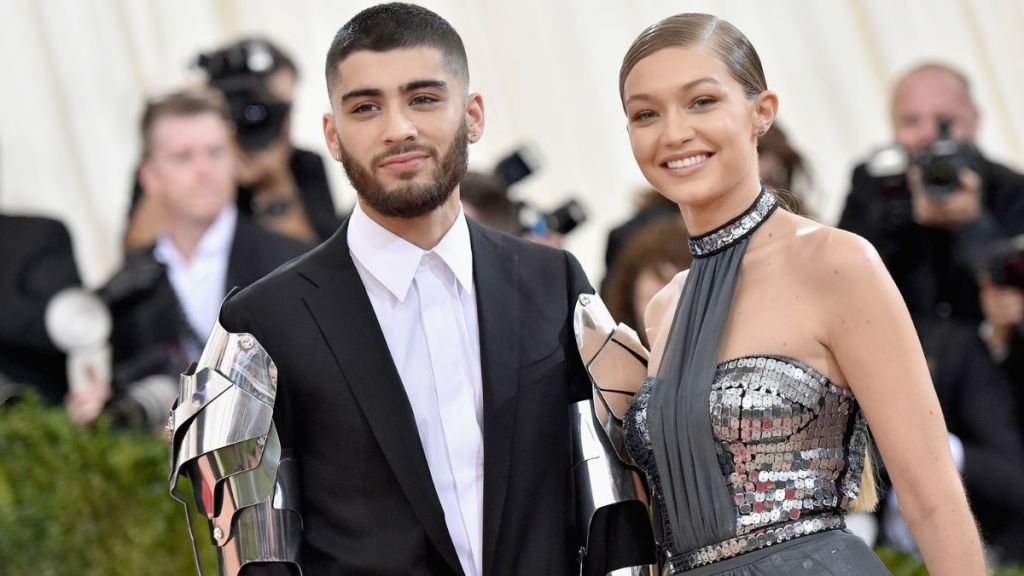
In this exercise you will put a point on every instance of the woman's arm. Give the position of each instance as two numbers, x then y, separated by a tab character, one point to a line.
871	335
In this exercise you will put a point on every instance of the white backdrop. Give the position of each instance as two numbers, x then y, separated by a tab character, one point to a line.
75	74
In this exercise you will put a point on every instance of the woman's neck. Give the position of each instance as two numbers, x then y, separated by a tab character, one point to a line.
715	213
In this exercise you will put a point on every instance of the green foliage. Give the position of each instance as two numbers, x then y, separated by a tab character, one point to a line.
86	502
901	564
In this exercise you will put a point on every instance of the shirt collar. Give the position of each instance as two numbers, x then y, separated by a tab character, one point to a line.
217	240
392	260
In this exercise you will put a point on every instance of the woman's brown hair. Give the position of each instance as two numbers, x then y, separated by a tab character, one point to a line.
719	37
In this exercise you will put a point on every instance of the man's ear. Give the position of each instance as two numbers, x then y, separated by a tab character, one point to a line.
331	137
147	178
475	116
766	106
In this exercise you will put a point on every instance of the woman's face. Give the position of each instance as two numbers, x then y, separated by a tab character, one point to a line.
692	128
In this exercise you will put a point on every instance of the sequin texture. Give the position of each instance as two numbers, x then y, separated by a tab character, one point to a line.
791	448
742	226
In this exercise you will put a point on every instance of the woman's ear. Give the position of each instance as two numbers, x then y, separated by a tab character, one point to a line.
766	106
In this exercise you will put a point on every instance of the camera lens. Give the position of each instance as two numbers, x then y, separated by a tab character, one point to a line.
255	113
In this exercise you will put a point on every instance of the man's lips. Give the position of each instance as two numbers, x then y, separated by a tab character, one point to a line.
404	162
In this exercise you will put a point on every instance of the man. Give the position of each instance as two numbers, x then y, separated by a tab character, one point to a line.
424	364
933	245
165	299
36	263
282	187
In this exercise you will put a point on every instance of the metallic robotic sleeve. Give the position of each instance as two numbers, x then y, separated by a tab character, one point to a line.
611	495
224	446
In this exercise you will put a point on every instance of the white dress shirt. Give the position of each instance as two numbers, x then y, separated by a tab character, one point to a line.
199	282
426	307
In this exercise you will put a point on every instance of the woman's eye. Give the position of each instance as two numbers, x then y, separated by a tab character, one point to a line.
644	116
703	102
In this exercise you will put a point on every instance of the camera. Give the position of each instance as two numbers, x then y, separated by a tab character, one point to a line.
1005	262
145	403
940	163
519	165
240	71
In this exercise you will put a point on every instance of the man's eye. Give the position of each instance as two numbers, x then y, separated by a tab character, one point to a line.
703	102
423	99
365	108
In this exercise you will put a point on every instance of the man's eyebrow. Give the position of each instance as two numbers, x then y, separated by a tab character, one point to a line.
404	88
688	86
361	93
425	83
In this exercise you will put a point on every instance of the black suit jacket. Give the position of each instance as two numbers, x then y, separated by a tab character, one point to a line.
36	262
369	505
149	325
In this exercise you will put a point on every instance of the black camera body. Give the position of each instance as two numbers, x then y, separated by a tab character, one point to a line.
517	166
1005	262
942	161
239	71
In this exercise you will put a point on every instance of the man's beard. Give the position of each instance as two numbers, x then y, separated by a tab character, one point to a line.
409	200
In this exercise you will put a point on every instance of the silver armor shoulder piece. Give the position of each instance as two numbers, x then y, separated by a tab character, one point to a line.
225	448
611	493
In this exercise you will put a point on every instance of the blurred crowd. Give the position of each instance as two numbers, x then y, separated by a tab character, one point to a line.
222	197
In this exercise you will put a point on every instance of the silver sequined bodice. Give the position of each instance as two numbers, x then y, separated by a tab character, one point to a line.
791	450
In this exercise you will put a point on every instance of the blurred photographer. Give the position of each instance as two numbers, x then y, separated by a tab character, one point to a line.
933	204
1002	302
284	188
165	299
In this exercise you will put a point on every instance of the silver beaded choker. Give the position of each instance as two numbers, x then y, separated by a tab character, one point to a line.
736	229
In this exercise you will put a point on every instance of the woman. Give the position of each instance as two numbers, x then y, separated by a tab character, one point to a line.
786	329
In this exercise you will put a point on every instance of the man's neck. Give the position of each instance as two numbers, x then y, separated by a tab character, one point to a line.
185	235
423	231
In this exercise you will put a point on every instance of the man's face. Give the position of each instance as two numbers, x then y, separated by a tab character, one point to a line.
190	169
924	98
401	126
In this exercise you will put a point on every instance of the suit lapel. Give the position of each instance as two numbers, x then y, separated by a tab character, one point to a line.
495	271
342	310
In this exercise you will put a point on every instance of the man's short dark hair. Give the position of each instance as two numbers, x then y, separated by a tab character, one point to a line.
392	26
191	102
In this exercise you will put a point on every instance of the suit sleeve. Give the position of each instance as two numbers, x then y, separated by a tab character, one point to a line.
579	382
50	269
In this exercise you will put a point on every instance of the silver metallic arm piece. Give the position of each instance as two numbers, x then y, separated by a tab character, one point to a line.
225	446
611	494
